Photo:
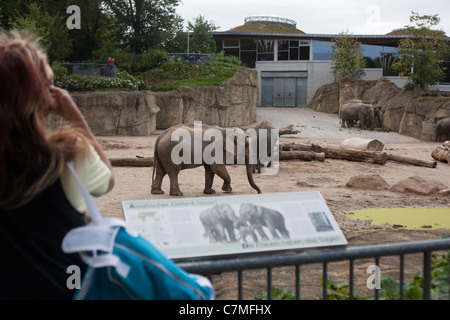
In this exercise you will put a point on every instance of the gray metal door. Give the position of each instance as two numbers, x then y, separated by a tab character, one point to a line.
278	92
302	92
289	92
267	92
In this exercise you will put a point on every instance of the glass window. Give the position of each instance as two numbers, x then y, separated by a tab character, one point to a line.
230	43
247	44
322	50
293	53
266	50
283	55
283	45
232	51
248	58
304	53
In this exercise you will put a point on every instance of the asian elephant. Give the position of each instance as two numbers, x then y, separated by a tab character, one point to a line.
219	221
258	217
202	145
442	130
356	110
264	133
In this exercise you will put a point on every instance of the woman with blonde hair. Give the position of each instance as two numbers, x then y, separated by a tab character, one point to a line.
39	199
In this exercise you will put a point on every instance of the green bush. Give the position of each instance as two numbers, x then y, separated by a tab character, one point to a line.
390	288
90	83
131	62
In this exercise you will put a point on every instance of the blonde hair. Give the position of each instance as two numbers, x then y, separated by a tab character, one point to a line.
31	156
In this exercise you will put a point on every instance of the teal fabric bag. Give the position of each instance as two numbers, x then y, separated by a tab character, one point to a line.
122	265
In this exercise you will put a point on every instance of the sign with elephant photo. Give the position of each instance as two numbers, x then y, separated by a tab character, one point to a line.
211	227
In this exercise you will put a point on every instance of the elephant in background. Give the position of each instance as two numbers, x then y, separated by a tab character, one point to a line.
219	221
442	130
258	217
164	163
264	132
357	110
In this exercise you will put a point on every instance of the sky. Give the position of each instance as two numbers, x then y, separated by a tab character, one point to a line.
320	16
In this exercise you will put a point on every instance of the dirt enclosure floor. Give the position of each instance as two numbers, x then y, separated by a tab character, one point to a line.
329	177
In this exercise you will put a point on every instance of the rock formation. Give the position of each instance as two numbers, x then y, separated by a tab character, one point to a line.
126	113
411	113
233	103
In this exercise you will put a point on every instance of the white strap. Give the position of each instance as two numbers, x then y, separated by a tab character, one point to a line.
92	208
92	237
107	260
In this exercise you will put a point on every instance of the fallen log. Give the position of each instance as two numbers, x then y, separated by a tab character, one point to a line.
301	155
283	155
132	162
408	160
353	155
442	153
339	153
287	130
362	144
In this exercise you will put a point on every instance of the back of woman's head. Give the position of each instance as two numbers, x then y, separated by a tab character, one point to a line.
25	79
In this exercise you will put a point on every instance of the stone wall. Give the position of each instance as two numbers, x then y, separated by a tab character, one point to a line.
233	103
411	113
122	113
140	113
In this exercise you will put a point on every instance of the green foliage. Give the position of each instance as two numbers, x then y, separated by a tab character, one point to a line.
143	24
202	40
133	62
50	29
347	59
278	294
422	52
173	74
90	83
390	288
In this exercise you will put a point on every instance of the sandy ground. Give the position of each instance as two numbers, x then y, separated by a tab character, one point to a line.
329	177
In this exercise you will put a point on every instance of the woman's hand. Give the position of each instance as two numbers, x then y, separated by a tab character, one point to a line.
64	105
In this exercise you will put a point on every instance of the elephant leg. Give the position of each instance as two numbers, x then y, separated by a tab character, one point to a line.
211	235
221	171
273	231
209	179
174	186
160	172
231	235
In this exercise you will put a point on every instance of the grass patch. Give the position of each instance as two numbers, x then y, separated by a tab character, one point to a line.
171	75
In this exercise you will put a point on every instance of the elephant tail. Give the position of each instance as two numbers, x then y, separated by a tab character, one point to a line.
155	159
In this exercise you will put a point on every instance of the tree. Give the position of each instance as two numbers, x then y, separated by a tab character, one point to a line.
346	57
50	28
143	23
423	52
202	39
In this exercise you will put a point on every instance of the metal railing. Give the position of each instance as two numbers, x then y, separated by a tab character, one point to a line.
91	69
297	260
194	58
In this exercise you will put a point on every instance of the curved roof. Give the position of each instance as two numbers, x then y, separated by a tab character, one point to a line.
271	20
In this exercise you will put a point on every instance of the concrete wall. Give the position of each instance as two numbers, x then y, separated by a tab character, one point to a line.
319	73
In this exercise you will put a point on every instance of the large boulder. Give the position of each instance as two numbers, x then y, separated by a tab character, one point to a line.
418	185
127	113
368	182
233	103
